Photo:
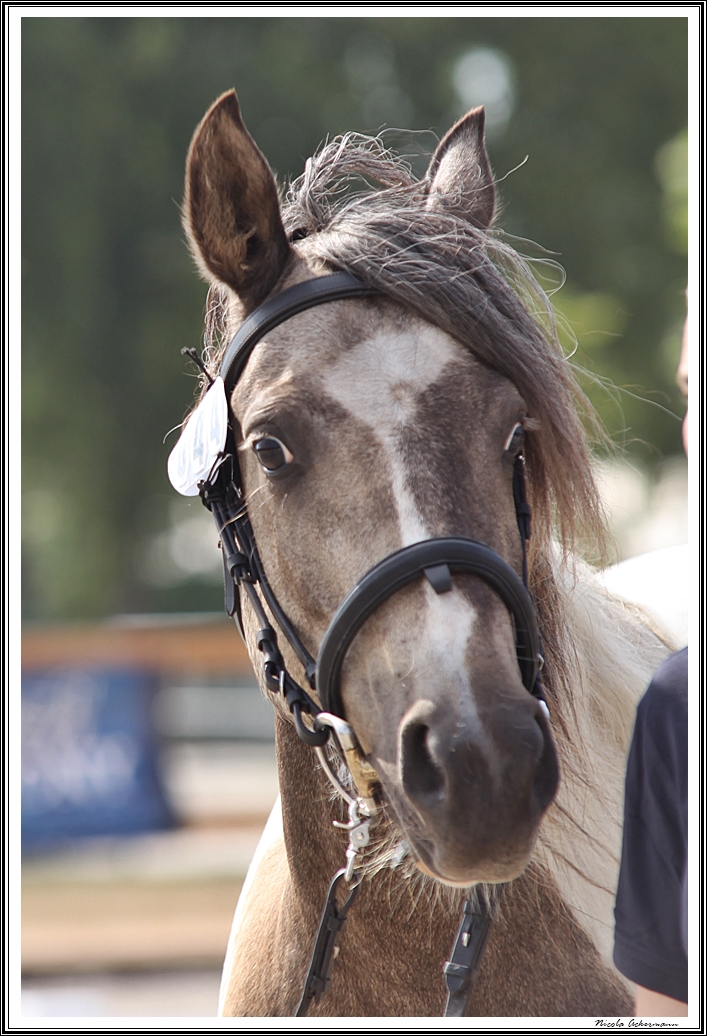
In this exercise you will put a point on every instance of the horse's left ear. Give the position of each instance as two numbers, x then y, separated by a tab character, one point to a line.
459	175
231	209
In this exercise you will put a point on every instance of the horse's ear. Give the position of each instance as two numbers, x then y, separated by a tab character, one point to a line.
459	175
231	210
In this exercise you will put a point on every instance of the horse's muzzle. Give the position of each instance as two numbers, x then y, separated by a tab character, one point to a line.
472	801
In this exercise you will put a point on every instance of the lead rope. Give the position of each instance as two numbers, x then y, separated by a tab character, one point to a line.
326	943
242	568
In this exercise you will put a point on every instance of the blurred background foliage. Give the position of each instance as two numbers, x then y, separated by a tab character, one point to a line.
110	295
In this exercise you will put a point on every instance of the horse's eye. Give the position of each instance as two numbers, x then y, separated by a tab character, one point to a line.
514	442
272	454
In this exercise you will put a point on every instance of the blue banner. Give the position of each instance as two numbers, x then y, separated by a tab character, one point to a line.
89	755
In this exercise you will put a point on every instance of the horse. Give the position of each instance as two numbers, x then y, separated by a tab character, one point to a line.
367	426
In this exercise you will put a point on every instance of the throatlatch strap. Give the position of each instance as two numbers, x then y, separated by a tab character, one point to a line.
462	969
332	921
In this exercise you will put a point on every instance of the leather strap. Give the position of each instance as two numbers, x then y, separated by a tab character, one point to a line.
522	511
332	921
403	567
462	969
279	308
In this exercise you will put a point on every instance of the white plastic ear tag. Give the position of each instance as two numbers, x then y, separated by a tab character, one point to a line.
202	440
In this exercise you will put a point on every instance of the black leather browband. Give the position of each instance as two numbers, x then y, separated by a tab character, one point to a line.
281	307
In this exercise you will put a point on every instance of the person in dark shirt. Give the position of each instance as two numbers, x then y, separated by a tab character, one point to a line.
650	942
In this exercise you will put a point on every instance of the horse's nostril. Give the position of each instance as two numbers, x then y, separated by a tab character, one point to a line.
420	773
547	773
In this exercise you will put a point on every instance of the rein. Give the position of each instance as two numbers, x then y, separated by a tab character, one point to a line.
436	560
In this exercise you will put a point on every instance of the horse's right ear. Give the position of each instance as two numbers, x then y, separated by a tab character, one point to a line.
231	210
459	174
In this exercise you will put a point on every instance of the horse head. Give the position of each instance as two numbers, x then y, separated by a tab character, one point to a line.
367	425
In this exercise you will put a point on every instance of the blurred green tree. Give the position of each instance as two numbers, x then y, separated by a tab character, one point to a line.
110	295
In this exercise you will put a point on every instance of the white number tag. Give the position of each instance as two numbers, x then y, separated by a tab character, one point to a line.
202	440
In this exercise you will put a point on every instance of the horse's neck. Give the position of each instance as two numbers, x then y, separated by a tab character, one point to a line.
610	657
387	916
315	848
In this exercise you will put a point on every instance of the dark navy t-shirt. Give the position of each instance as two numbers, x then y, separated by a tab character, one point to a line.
651	902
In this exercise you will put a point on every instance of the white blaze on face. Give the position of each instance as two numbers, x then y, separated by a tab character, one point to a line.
379	382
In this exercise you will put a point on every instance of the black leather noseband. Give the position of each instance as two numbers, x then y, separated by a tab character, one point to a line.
435	559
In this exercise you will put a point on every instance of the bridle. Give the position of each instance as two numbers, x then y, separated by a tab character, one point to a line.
436	560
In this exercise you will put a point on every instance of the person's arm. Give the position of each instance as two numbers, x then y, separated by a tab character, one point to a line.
650	1004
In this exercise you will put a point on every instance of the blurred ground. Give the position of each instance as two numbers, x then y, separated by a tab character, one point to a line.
138	925
152	901
175	994
75	927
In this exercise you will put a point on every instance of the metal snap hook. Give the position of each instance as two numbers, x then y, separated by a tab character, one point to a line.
364	775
